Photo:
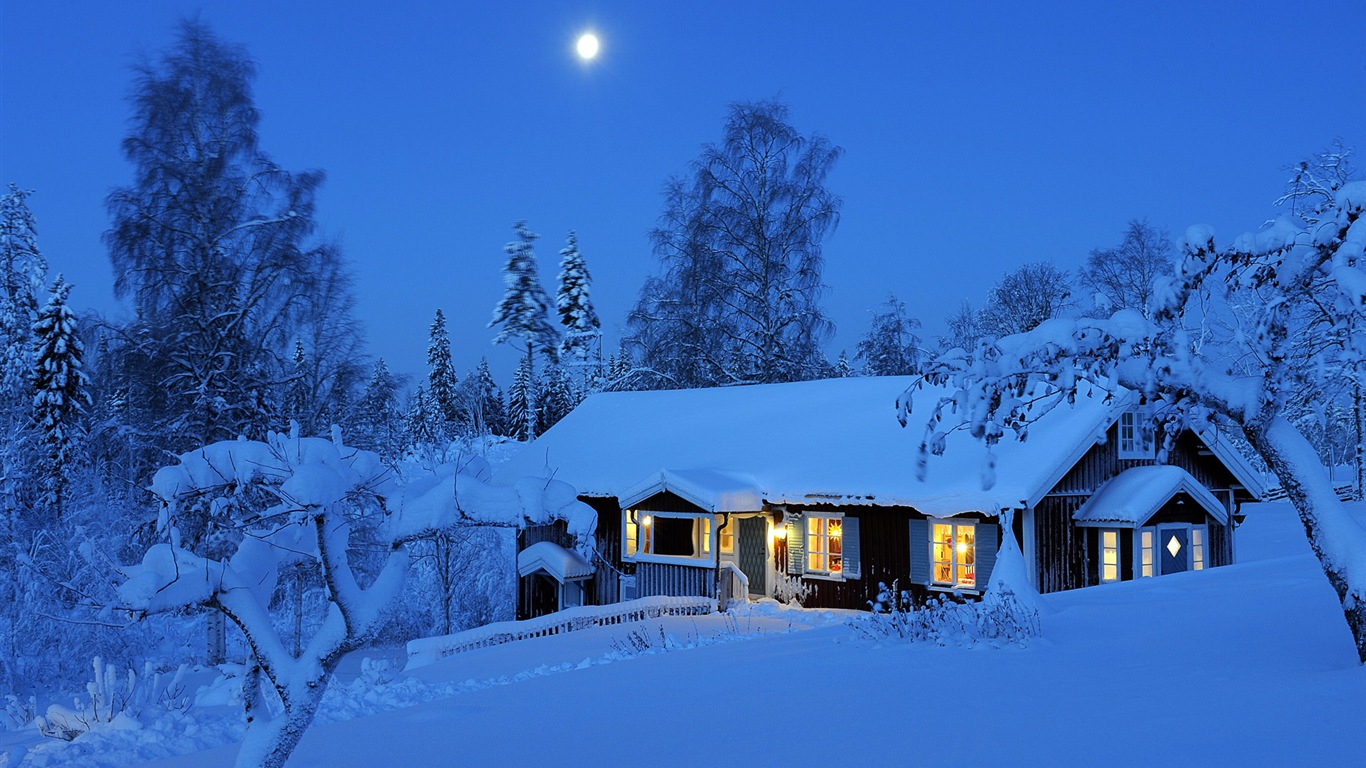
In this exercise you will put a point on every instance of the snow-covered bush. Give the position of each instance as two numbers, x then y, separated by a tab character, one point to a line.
791	590
116	700
999	618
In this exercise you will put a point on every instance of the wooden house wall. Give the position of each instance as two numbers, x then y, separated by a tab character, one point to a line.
605	587
1059	545
884	556
1066	559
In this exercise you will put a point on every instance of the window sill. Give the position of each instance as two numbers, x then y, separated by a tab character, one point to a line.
950	588
822	576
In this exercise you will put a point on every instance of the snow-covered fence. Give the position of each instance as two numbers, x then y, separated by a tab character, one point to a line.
430	649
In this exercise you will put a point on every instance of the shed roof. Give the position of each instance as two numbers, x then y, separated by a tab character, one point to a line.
562	564
1133	496
835	441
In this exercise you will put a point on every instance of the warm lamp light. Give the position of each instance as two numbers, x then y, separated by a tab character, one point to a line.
962	549
644	519
779	532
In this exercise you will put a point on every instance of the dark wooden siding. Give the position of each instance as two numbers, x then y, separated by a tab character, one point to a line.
1059	547
666	502
1066	558
885	556
605	588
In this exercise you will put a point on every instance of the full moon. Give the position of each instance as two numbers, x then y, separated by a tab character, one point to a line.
588	46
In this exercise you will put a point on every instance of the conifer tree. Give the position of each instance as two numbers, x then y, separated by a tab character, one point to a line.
843	369
891	346
296	392
61	390
582	344
420	427
379	424
483	402
522	403
558	396
442	383
22	272
523	312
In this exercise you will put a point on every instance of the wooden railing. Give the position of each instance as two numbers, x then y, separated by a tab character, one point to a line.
430	649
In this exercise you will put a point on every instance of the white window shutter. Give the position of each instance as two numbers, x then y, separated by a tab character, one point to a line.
796	544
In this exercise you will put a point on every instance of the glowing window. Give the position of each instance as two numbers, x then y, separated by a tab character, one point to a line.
1146	538
953	553
824	544
726	537
1109	556
1198	548
666	536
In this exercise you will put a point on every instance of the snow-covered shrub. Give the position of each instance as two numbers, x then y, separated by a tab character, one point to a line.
113	699
999	618
19	712
791	590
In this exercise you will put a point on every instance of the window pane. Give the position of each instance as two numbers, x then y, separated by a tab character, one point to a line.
836	563
674	536
1110	572
815	562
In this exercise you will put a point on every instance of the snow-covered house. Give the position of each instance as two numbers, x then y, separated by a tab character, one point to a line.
723	492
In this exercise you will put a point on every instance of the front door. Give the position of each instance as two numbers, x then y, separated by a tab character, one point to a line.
1174	544
752	552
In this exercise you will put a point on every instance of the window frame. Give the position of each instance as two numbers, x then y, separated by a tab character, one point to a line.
1138	444
808	551
955	583
1146	545
1108	549
635	534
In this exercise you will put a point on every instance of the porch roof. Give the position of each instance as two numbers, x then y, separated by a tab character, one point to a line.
1133	496
561	564
711	490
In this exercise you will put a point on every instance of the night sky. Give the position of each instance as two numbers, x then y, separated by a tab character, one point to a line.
977	136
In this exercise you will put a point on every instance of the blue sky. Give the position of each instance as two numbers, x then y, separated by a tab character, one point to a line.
977	136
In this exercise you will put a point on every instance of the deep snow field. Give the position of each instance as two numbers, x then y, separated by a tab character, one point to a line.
1245	665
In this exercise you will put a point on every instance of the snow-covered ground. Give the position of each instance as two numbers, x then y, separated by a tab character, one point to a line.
1250	664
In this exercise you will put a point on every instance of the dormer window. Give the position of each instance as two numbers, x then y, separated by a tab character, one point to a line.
1134	441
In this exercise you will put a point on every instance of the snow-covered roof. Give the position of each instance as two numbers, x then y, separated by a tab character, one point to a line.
1133	496
835	441
562	564
709	489
1226	451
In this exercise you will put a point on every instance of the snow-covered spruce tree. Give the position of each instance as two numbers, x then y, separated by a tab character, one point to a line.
482	402
296	396
301	501
582	344
22	274
558	396
843	369
378	420
523	314
1239	374
1023	299
891	346
1122	277
60	393
523	403
740	247
214	245
421	427
442	383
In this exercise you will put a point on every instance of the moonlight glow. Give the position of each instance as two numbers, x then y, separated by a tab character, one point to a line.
588	46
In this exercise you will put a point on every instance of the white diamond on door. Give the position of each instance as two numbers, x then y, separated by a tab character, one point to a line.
1173	546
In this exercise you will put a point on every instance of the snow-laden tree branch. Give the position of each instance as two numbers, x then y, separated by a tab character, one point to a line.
1201	364
292	500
